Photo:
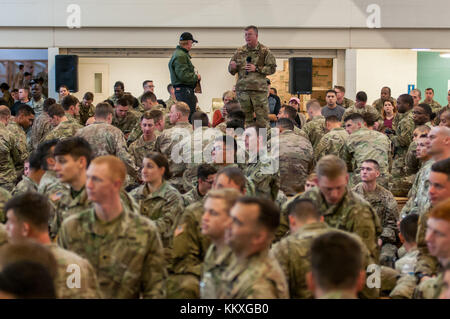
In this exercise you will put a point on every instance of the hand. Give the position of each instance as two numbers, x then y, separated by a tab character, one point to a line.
233	65
273	117
199	77
250	67
380	242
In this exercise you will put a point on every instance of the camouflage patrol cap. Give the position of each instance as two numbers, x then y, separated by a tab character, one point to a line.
187	36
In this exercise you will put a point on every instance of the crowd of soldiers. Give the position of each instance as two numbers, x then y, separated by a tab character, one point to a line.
148	200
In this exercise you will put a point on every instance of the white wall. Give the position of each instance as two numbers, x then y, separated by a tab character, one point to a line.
377	68
133	71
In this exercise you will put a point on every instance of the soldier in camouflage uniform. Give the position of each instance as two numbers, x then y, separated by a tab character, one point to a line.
119	91
21	123
42	125
3	235
146	142
87	109
64	127
361	108
385	95
429	95
401	140
446	108
384	203
123	247
412	162
341	99
106	139
332	142
289	112
123	118
30	183
363	144
343	208
20	209
172	99
315	128
205	178
173	137
4	197
190	245
157	199
292	252
253	62
253	273
296	158
262	169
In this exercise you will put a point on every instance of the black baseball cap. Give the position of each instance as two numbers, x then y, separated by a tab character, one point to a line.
187	36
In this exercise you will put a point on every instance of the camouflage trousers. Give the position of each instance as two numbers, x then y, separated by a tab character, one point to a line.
184	286
254	103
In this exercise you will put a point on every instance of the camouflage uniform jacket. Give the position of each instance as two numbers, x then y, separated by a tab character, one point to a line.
367	109
89	288
63	130
346	103
353	214
378	104
426	264
139	148
366	144
126	253
9	155
412	163
41	127
331	143
192	196
293	255
37	106
384	203
402	139
213	267
431	288
435	106
25	185
265	64
257	277
86	112
20	143
127	123
296	161
267	183
3	235
315	129
106	139
4	197
162	206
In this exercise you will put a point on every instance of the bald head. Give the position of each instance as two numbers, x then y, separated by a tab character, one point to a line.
439	142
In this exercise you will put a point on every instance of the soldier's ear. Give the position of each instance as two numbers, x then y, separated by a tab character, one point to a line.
361	280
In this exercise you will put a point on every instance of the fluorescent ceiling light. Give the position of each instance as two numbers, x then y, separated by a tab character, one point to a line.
421	49
445	55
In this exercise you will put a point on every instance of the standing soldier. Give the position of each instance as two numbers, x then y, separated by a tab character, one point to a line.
253	62
385	95
182	73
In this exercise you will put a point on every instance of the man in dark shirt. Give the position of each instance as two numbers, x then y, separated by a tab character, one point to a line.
332	108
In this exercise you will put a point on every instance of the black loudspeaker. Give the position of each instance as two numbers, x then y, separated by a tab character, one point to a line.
66	71
300	75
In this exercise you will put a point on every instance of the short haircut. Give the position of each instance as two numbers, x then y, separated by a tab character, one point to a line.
274	89
340	88
14	90
45	149
441	211
183	108
63	86
204	170
235	123
4	86
234	174
423	129
237	114
269	214
252	27
145	82
427	108
31	207
233	106
408	227
27	280
313	104
47	103
290	111
35	160
228	195
442	166
157	115
69	101
361	96
355	117
150	115
123	101
116	168
374	162
25	109
418	91
336	260
5	112
56	109
330	91
88	96
407	99
76	147
148	96
200	116
331	166
332	119
109	102
103	109
119	84
303	209
429	89
370	118
387	87
285	123
161	161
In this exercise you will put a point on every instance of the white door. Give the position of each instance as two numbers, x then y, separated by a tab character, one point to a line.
93	77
